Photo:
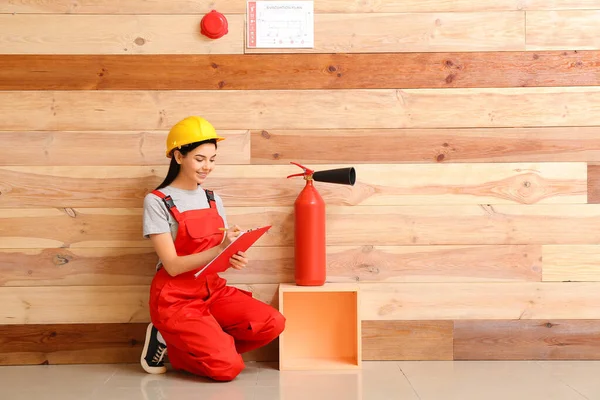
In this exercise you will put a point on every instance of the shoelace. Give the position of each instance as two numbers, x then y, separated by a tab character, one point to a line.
158	356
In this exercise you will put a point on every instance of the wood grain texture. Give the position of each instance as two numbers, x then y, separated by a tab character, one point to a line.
414	32
239	7
77	267
121	7
299	71
114	227
71	343
558	30
400	264
88	304
527	340
382	340
434	264
502	224
136	266
275	109
74	304
571	263
54	344
561	4
381	226
267	353
490	301
63	228
125	187
427	146
407	340
106	148
593	175
265	265
128	34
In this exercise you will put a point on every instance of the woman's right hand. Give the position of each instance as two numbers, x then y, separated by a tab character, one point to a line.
230	234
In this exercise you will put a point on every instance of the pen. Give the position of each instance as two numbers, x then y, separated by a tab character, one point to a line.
224	229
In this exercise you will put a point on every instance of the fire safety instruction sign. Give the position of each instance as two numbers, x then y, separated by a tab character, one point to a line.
280	24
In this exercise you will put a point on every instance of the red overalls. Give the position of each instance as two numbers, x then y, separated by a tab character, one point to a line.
206	324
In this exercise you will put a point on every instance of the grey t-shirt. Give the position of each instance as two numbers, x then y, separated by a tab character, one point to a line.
158	219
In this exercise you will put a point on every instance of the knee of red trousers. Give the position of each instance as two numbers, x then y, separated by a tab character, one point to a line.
228	369
277	323
220	367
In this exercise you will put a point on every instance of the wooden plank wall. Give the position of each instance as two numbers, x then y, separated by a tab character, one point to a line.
473	127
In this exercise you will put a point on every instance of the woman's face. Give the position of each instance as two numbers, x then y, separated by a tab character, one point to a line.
198	163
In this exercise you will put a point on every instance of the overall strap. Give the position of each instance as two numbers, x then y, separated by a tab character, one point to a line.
169	204
210	196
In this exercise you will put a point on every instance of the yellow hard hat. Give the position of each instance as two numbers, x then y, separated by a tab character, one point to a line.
190	130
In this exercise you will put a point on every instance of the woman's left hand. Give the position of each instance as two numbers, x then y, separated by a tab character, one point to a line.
239	260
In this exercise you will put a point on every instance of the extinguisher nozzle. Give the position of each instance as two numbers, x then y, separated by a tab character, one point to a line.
342	176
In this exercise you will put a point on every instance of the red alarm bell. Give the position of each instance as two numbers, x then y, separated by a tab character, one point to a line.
214	25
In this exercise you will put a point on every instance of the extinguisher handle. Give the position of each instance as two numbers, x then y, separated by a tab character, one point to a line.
306	172
291	176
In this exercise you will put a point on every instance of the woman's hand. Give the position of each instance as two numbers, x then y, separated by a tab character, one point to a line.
239	260
230	234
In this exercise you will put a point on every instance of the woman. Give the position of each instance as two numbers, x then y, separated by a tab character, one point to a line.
204	324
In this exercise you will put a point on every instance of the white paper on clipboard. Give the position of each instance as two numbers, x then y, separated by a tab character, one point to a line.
280	24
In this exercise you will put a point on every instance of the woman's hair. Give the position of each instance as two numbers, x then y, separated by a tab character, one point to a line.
174	167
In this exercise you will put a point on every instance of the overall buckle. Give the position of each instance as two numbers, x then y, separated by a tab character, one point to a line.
169	202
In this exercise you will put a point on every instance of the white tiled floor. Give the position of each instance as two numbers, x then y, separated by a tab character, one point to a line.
568	380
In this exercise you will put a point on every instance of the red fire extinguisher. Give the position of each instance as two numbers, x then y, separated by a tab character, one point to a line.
310	259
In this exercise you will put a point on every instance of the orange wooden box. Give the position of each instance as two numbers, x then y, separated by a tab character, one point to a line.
323	327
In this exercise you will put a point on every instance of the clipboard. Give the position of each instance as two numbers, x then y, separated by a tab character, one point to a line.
241	243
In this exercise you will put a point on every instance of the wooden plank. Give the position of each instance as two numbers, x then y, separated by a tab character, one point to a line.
400	264
527	340
62	228
407	340
71	343
77	267
558	30
427	145
376	185
135	266
434	264
324	6
593	174
571	263
73	304
121	7
267	353
414	32
128	34
116	148
114	227
275	109
299	71
265	265
561	4
390	340
55	344
490	301
81	186
502	224
88	304
239	7
380	225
